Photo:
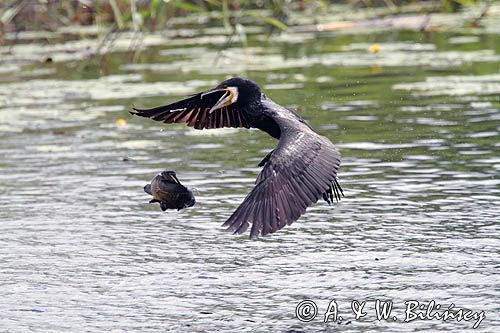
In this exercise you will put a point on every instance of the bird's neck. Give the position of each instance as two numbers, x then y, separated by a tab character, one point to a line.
269	126
276	118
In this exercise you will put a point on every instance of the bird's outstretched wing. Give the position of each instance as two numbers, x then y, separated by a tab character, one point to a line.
170	177
194	111
301	170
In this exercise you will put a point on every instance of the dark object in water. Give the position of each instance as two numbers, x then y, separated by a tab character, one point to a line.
169	192
297	173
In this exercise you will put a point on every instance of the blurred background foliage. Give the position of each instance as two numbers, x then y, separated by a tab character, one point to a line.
153	15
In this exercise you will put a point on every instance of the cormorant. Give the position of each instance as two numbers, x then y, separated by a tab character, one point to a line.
299	171
167	190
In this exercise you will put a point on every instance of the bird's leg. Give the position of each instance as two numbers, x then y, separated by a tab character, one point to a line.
264	161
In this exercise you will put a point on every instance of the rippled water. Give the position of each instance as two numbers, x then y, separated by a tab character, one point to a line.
417	124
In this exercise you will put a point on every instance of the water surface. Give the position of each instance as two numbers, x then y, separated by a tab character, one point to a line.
81	249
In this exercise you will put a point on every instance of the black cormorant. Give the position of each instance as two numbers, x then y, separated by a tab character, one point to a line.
297	173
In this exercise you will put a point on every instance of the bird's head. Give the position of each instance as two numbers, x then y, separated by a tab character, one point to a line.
191	200
236	91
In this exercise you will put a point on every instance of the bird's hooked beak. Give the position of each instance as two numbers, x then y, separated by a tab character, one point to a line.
230	96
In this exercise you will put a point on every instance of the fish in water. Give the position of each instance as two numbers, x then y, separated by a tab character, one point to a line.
169	192
297	173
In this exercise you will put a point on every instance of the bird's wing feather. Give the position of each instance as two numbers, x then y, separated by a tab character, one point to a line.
194	111
170	177
300	171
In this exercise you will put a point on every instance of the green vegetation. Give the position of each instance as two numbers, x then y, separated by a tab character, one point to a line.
156	14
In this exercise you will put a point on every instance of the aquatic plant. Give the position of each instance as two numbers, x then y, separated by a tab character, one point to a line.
156	14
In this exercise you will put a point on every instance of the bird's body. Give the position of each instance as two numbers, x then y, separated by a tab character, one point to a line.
167	190
298	172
